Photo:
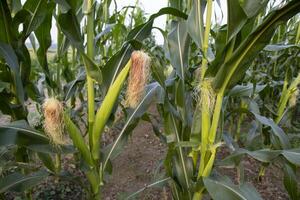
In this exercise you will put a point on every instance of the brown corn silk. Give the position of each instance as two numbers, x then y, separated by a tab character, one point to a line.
138	78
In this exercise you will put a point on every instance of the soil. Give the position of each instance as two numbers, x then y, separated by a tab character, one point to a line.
137	166
270	186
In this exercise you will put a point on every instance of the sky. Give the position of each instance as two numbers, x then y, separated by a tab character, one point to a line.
151	7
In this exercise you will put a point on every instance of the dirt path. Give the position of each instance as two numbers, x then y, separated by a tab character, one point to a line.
135	167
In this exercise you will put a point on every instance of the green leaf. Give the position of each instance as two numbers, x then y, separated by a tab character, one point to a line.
5	23
196	126
284	140
290	182
78	140
19	182
179	159
106	108
7	52
21	134
292	155
233	70
43	36
93	176
38	11
50	149
263	155
70	27
64	5
236	19
178	42
47	161
114	64
92	69
71	87
119	59
169	11
280	47
252	7
158	183
245	90
224	189
154	93
195	22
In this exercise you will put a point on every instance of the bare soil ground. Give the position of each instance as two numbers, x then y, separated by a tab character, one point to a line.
135	167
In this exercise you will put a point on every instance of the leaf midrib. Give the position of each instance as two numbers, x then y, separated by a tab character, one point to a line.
231	72
33	16
125	126
20	181
231	189
180	51
24	130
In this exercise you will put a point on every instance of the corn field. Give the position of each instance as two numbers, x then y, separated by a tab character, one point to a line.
219	95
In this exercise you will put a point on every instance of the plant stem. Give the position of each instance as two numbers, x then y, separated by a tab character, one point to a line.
90	82
216	117
205	126
206	38
181	157
205	113
298	35
57	163
94	180
286	94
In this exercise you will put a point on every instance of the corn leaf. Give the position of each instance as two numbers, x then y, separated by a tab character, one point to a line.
178	41
159	183
47	161
5	23
234	69
284	140
7	52
263	155
253	7
106	107
224	189
19	182
236	19
195	22
118	60
70	27
38	11
21	134
43	36
290	182
77	139
154	93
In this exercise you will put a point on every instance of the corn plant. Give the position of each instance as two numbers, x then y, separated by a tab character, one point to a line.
196	97
107	75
